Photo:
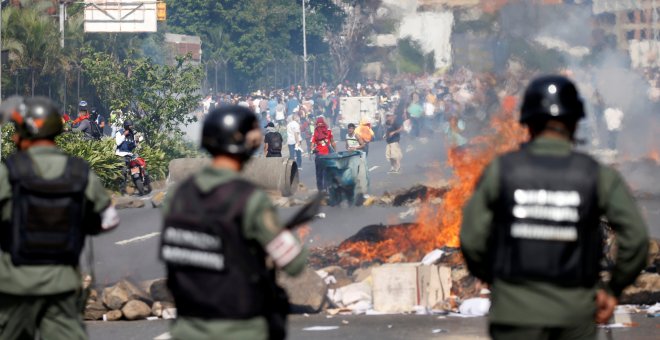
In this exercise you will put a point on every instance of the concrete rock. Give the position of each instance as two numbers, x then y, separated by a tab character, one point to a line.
307	292
654	255
159	291
362	274
116	296
158	199
94	311
159	306
128	203
93	296
180	169
463	284
341	279
395	287
136	310
169	313
113	315
645	291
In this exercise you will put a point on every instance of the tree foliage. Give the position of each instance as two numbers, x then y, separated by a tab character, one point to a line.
248	35
159	98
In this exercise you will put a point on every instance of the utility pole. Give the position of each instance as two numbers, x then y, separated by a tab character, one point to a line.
304	44
62	9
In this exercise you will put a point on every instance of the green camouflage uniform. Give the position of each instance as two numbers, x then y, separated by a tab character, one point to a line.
42	297
535	309
259	223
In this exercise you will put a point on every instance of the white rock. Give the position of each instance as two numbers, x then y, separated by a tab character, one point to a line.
169	313
432	257
475	306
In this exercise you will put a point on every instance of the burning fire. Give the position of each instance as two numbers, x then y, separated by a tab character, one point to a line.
303	233
655	155
440	226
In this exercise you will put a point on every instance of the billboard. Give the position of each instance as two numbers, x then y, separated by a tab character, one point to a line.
120	16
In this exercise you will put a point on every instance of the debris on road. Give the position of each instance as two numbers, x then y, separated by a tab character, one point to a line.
475	306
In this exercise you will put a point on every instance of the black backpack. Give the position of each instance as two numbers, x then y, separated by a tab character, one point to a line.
275	142
96	131
48	215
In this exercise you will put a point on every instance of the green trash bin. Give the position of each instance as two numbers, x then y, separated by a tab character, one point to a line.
342	172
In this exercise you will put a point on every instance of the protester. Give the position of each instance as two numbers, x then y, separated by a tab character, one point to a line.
280	113
307	131
323	144
353	141
272	141
392	137
532	227
294	140
415	112
365	133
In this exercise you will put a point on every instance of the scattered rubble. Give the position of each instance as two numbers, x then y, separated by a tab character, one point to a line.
128	202
136	310
113	315
158	199
159	291
307	292
646	290
128	301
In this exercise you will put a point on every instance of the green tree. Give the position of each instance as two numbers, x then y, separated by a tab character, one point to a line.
38	35
251	34
159	98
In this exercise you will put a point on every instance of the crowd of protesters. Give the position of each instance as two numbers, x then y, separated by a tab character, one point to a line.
456	105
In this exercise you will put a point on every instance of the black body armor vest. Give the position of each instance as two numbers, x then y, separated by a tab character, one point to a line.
546	224
48	215
213	271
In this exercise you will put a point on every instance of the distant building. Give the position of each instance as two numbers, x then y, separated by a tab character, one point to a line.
180	45
636	25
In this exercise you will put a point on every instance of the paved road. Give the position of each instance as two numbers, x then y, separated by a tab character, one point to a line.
382	327
131	251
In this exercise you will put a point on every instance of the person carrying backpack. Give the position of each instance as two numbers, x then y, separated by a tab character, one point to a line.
272	141
86	125
50	203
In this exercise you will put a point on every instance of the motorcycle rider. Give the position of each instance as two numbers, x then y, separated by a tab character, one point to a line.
221	241
126	144
49	202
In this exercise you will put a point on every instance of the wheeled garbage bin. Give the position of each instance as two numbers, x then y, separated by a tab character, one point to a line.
345	177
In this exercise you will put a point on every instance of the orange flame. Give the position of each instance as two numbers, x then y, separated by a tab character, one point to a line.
440	226
655	155
303	232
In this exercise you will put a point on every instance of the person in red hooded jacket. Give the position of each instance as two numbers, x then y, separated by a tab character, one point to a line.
322	144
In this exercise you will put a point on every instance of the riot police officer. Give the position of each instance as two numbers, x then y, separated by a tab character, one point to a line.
531	229
221	238
49	202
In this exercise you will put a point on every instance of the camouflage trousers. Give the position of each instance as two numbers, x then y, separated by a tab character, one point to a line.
51	317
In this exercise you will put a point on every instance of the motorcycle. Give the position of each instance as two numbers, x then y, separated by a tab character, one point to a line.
137	168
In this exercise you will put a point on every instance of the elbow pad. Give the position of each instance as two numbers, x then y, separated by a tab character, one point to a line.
283	248
109	218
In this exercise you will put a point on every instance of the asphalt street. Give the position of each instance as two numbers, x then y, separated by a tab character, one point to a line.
367	327
131	252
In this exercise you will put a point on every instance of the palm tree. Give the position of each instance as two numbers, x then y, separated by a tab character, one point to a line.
38	36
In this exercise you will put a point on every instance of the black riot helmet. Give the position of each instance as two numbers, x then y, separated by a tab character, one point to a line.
36	118
551	97
227	131
127	124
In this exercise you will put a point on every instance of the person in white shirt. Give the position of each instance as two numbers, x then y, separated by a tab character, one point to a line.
294	139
